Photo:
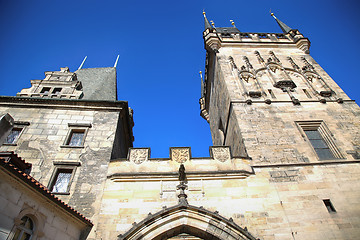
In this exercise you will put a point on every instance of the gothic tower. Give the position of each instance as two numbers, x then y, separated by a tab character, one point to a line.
266	97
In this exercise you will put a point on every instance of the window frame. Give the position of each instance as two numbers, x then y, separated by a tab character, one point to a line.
37	219
76	127
17	125
58	168
23	230
324	132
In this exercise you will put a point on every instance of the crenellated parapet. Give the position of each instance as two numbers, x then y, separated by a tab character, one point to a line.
140	165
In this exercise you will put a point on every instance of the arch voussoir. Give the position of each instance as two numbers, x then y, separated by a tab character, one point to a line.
189	219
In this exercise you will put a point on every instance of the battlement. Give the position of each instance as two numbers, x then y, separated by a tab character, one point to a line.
141	166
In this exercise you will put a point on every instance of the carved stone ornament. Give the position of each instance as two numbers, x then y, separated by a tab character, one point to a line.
221	153
138	155
180	155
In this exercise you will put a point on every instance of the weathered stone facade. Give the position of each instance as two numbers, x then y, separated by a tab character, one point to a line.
47	124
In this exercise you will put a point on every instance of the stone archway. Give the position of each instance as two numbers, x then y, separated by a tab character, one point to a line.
183	218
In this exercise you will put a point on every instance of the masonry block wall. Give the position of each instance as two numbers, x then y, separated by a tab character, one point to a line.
47	125
265	97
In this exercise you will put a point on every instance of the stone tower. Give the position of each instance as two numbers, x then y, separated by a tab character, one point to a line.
267	98
68	126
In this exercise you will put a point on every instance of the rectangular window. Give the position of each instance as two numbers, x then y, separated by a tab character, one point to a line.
13	136
16	132
45	90
62	181
271	93
76	135
319	145
329	206
57	91
320	139
307	93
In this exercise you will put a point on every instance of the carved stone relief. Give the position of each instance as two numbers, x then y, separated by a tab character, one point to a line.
180	155
138	155
221	153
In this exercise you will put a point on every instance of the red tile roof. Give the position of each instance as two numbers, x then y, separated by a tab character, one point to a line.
9	160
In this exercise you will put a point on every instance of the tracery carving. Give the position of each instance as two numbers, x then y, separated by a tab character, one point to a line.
273	57
307	66
180	155
261	60
293	64
248	64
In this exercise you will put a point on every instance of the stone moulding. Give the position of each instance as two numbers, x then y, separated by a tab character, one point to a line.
183	218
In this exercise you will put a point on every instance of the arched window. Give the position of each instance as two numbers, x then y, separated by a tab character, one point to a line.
25	230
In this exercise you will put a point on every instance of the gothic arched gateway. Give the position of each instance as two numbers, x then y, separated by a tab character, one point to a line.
183	218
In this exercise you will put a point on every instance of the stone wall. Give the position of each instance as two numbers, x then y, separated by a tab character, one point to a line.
280	202
43	144
51	223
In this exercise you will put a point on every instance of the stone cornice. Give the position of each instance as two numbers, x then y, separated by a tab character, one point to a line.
63	103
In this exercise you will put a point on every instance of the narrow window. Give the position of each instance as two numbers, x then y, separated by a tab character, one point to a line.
61	181
329	206
320	139
25	230
319	145
307	93
271	93
45	90
76	135
57	91
14	135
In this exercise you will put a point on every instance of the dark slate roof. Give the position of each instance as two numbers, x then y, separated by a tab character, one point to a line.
207	24
285	28
9	161
98	83
227	30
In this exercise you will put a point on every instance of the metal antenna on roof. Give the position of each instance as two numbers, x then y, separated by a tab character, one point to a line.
117	59
82	64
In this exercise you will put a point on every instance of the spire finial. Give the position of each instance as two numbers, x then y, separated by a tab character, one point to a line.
232	23
207	24
285	28
212	23
272	14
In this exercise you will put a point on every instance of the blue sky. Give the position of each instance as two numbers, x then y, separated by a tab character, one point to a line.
161	51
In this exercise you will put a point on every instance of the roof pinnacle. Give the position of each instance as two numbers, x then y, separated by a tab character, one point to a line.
207	24
232	23
285	28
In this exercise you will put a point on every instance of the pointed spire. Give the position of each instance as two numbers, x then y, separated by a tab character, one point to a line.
207	24
285	28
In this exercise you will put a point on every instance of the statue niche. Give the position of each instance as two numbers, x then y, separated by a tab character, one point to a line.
318	84
250	84
279	76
